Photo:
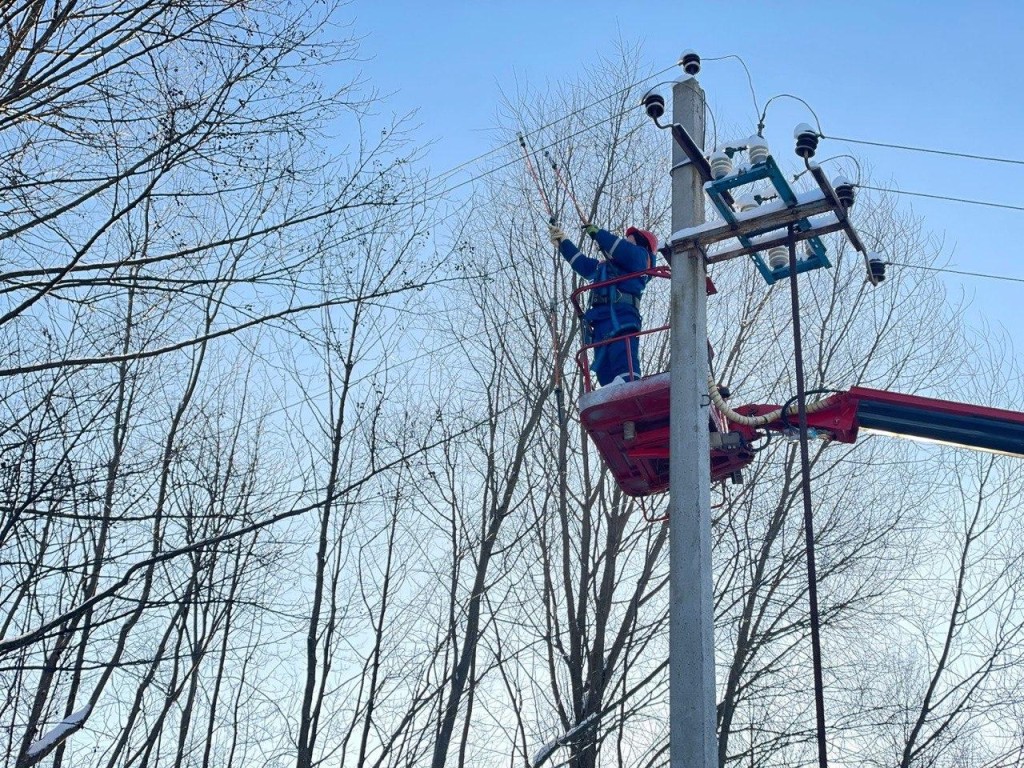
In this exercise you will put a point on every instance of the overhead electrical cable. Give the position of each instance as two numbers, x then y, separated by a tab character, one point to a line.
986	203
965	273
906	147
948	153
528	134
517	160
764	113
477	177
867	142
750	79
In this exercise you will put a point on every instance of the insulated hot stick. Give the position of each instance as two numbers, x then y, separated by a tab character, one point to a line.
536	178
553	317
584	219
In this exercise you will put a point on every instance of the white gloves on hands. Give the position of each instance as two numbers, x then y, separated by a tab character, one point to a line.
556	233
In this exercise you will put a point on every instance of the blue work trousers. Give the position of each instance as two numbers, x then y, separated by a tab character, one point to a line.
612	359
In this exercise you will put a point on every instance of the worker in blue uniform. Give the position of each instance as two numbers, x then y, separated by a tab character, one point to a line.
614	310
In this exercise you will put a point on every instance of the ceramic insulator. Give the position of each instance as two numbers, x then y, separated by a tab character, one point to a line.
757	150
778	256
721	165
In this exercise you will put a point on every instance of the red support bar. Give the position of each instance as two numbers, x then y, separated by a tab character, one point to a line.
928	418
663	271
837	416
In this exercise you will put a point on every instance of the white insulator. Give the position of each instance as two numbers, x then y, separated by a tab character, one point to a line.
757	150
721	165
745	203
778	256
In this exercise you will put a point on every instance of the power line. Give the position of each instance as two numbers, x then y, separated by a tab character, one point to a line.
964	273
1006	278
946	197
554	143
945	152
948	153
518	160
867	142
527	134
621	91
764	113
477	177
750	79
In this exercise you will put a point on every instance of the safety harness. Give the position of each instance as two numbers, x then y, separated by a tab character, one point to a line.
611	294
612	297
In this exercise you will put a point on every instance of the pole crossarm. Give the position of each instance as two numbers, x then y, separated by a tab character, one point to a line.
779	217
762	244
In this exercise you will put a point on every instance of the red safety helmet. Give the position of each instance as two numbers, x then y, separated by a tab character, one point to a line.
644	238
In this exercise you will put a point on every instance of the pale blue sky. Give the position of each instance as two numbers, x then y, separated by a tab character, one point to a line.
941	75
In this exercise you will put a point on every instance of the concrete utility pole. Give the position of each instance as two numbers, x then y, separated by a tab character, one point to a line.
691	637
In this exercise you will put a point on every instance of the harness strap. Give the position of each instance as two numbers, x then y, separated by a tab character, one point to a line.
620	298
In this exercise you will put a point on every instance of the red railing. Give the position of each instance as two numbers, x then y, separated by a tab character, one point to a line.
583	356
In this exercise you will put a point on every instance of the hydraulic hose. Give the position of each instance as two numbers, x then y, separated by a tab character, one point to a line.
756	421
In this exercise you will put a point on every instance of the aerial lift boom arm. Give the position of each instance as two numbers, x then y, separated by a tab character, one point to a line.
629	425
843	414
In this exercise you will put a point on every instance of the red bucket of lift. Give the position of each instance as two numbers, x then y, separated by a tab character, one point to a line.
629	423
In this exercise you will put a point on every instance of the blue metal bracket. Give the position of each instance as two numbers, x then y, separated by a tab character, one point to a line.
719	192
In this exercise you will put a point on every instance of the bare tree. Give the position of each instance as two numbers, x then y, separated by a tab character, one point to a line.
867	524
591	617
169	218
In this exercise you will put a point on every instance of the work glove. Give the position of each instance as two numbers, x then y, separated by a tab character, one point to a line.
590	229
556	233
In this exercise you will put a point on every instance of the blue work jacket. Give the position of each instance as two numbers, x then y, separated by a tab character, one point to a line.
622	258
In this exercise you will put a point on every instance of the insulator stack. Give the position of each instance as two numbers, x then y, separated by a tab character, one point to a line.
806	141
721	165
757	150
844	191
745	203
778	256
876	268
